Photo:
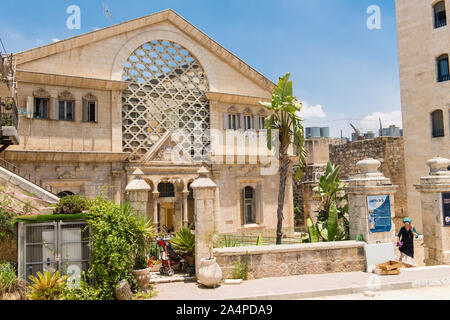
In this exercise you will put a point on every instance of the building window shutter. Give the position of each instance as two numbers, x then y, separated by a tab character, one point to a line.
55	109
226	124
30	107
241	124
85	111
96	111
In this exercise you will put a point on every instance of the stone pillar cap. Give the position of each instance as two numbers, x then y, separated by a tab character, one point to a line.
368	165
203	181
439	166
138	184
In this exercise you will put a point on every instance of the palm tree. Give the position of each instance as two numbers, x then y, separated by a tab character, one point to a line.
285	121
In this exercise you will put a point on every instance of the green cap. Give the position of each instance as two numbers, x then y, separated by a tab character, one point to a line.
405	220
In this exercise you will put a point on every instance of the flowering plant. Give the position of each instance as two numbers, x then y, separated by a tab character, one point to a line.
153	262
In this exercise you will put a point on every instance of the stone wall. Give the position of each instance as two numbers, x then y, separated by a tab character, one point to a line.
389	151
318	156
290	260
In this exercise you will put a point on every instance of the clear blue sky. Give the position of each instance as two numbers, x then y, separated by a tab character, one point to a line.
338	65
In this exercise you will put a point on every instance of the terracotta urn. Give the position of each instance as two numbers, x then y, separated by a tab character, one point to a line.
209	273
142	278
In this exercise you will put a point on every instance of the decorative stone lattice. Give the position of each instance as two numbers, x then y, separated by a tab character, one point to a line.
166	92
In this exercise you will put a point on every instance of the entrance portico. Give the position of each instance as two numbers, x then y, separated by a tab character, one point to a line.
170	198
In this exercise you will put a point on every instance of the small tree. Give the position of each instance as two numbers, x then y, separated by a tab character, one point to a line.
285	121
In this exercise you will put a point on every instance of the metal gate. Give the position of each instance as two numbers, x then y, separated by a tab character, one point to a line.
53	246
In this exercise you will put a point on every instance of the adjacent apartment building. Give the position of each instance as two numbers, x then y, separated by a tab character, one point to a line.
424	48
154	94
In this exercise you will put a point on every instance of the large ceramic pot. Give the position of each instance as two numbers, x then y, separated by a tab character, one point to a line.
142	278
209	273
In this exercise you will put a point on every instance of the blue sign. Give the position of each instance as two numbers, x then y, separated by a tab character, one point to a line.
446	208
379	213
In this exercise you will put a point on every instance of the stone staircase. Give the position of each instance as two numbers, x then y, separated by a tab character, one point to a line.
13	177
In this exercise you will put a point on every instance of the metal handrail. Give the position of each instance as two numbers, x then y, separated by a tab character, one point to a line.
27	176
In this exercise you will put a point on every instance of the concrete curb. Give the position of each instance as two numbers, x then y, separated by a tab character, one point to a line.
401	285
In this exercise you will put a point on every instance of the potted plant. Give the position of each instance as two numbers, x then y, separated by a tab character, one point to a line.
209	272
154	264
142	231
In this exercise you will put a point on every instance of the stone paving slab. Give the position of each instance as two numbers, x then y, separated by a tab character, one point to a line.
308	286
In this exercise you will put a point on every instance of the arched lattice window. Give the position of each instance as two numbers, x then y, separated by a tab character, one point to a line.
65	194
442	68
166	190
249	205
166	93
440	17
437	124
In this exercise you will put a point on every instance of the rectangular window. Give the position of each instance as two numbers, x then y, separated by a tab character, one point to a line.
91	112
443	69
261	122
440	17
233	122
66	110
248	120
41	108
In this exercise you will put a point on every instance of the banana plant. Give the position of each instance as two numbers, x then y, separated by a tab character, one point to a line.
313	233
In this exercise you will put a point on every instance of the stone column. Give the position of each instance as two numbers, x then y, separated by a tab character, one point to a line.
155	196
204	194
137	192
177	212
363	188
435	202
185	208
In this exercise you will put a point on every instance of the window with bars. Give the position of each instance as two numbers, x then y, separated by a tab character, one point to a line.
249	205
440	16
437	124
41	108
443	68
248	121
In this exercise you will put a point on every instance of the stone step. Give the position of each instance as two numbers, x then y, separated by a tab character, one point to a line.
157	278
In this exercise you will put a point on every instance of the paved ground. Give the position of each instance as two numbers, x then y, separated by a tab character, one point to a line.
309	286
430	293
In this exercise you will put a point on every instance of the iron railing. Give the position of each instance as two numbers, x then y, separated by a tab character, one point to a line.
27	176
245	241
9	115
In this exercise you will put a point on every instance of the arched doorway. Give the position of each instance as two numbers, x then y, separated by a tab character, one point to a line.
167	209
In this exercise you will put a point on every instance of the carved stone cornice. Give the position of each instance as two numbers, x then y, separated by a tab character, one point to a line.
24	76
234	98
64	156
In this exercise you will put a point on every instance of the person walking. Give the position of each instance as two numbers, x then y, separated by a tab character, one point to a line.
405	242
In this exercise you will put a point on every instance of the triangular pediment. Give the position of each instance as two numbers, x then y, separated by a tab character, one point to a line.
65	51
168	151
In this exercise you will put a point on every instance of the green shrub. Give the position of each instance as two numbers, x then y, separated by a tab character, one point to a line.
8	278
112	244
72	205
82	292
240	269
184	242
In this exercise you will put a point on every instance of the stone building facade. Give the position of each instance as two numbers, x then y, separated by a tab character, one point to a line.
424	46
389	151
154	94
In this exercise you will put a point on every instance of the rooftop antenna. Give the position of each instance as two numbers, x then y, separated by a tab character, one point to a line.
107	12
